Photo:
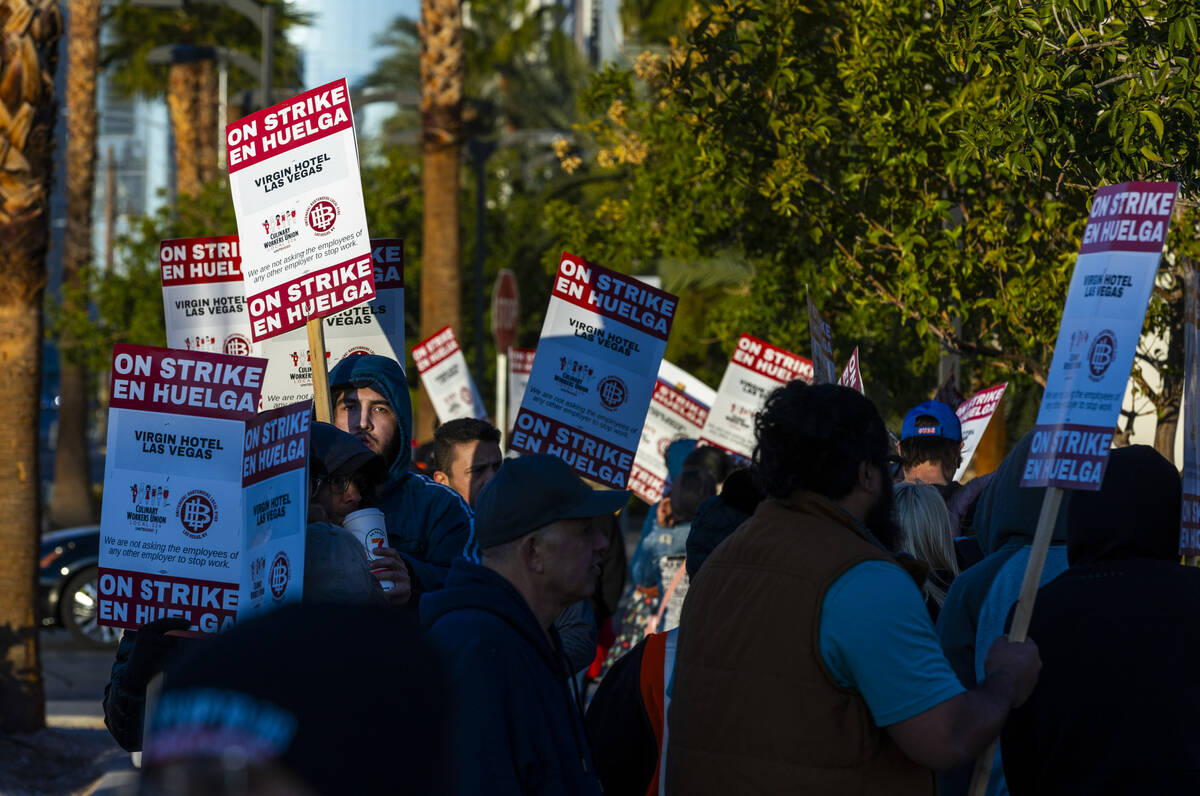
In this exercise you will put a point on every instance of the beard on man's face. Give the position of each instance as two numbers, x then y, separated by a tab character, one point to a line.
881	520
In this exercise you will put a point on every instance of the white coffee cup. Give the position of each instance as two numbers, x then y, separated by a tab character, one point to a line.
368	527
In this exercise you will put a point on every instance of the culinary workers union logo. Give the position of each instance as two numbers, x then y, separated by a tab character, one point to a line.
236	344
321	215
613	392
1101	354
281	573
196	512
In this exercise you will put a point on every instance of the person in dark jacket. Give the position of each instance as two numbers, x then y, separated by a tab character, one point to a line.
627	716
1114	711
514	719
429	524
980	598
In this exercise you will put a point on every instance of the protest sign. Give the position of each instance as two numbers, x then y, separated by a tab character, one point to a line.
824	371
373	328
974	415
755	371
1097	338
520	365
205	307
594	374
293	173
673	415
686	383
203	300
852	375
1189	531
173	527
443	371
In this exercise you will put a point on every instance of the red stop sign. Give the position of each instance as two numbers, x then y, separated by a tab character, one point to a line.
505	307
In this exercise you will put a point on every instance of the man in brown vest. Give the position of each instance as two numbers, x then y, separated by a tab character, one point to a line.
807	662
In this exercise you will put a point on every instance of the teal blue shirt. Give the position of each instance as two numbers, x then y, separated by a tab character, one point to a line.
876	637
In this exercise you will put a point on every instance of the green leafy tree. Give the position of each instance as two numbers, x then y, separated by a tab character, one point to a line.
925	173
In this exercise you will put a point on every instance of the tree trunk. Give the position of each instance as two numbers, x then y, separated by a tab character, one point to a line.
1169	404
27	113
193	124
71	500
441	127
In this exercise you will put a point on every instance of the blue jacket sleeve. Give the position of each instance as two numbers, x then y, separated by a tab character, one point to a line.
445	525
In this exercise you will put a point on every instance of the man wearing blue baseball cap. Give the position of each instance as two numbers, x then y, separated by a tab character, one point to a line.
931	446
515	722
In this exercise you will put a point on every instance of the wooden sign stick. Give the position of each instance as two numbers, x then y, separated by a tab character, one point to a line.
1023	613
320	373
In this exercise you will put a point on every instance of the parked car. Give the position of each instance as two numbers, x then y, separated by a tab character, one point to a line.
68	587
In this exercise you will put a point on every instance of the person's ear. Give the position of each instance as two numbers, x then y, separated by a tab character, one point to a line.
441	478
664	515
868	475
530	552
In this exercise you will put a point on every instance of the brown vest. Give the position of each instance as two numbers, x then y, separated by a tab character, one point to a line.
754	708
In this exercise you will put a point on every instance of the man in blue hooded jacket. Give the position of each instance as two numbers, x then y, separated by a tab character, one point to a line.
977	607
429	524
515	725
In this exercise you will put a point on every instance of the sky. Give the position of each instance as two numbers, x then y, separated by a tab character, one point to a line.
340	40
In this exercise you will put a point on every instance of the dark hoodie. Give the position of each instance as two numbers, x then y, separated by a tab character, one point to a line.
515	726
1115	707
428	523
976	608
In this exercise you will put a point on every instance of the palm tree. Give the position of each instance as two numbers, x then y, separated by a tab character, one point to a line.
27	112
72	502
441	142
191	88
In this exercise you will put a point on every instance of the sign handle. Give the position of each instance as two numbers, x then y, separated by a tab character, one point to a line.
320	373
1024	612
502	397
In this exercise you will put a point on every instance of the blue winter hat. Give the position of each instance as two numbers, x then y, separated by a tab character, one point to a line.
532	491
947	427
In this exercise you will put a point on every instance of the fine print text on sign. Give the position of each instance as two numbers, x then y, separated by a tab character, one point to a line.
172	522
594	374
974	415
293	173
443	371
1097	338
756	370
673	415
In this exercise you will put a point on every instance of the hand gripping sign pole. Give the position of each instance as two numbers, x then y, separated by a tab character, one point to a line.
1097	338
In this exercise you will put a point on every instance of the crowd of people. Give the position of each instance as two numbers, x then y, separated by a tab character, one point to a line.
828	619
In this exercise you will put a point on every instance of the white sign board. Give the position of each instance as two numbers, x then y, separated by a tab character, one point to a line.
520	365
673	415
302	223
756	370
179	527
595	370
974	415
205	307
852	375
824	371
443	370
1098	336
686	383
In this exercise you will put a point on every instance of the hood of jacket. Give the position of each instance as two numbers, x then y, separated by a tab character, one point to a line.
1008	512
1135	513
386	377
471	586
